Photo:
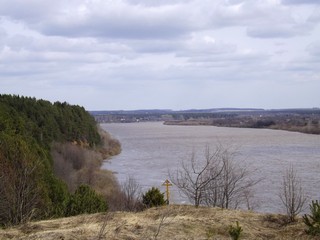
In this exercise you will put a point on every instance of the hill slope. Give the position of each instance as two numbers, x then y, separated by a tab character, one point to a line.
47	151
173	222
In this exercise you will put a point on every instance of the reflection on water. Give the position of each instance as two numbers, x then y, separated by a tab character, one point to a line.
150	150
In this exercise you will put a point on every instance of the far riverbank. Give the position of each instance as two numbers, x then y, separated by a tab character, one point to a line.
308	126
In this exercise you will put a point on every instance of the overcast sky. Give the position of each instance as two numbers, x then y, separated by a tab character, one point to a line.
164	54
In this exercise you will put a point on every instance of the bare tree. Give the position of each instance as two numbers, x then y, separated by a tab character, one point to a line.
20	194
132	192
129	198
291	194
194	176
234	185
217	181
249	199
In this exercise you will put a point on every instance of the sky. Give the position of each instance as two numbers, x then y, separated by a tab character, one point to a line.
162	54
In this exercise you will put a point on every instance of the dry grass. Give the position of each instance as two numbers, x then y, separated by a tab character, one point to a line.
172	222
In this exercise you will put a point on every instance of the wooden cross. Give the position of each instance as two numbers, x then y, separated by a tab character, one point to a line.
168	184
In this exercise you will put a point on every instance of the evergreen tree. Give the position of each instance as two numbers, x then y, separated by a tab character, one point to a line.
312	220
28	187
153	197
85	200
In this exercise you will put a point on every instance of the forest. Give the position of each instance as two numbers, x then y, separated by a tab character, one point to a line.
50	159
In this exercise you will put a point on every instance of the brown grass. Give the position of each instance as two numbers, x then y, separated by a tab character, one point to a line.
172	222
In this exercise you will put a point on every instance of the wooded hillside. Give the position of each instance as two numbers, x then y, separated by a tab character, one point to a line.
29	187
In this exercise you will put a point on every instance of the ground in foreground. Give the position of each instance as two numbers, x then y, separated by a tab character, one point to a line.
172	222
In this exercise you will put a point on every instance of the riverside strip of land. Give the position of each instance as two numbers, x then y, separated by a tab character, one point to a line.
298	120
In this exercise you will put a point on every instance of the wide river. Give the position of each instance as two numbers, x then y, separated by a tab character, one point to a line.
150	150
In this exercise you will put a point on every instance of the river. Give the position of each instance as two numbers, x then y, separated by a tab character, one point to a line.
150	150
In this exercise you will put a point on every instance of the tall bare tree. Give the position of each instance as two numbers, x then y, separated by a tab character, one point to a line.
291	194
234	185
216	180
195	175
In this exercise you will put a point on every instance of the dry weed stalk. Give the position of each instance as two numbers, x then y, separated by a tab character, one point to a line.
164	214
103	229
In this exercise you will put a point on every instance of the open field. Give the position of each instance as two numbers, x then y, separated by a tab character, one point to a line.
172	222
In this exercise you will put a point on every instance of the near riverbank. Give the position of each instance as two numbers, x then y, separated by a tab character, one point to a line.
169	222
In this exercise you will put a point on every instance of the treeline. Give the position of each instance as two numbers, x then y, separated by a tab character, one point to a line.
47	122
31	131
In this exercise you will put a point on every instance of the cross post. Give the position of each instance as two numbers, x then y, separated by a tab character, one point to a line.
167	184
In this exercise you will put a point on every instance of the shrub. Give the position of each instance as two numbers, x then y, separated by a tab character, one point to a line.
85	200
263	123
235	232
153	197
313	220
291	194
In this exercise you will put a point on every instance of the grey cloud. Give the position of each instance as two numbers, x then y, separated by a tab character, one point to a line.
3	32
271	32
138	19
232	2
110	29
210	53
111	19
314	49
19	42
120	21
3	35
71	45
300	1
206	50
31	11
315	16
26	48
156	46
281	30
157	2
249	13
307	65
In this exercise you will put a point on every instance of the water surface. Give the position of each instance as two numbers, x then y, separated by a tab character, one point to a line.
150	150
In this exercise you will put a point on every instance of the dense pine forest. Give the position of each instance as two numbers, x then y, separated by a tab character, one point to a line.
50	159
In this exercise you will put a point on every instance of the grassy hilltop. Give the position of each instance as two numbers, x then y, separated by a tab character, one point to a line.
172	222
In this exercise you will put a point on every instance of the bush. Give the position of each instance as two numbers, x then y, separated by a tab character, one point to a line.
59	196
85	200
235	232
263	123
313	220
153	197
